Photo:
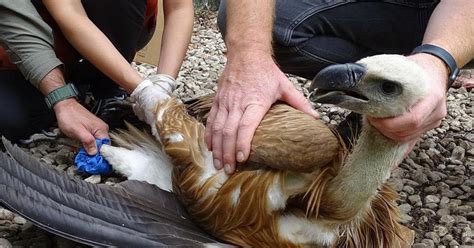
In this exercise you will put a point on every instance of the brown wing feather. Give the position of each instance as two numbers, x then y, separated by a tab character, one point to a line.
285	139
237	222
246	221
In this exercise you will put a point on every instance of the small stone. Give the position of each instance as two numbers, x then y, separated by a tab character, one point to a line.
5	243
94	179
6	214
62	167
19	220
72	171
429	243
447	238
440	230
443	211
458	153
463	210
433	236
453	243
410	190
431	189
415	200
447	220
428	212
405	208
432	199
405	218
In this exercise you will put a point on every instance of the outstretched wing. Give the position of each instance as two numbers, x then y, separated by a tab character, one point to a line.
130	214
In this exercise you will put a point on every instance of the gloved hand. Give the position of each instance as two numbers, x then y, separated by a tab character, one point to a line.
148	93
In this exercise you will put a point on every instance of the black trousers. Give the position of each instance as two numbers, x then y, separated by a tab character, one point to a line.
128	24
310	35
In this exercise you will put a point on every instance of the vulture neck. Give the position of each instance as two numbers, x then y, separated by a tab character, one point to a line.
365	170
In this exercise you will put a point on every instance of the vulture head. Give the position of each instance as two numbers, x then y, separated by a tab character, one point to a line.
378	86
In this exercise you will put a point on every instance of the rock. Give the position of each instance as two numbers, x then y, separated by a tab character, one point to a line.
429	242
447	220
447	238
453	243
440	230
19	220
61	167
433	237
458	153
5	243
405	208
94	179
6	214
442	212
410	190
415	200
431	199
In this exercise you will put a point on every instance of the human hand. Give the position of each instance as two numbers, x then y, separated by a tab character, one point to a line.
78	123
425	114
248	86
148	93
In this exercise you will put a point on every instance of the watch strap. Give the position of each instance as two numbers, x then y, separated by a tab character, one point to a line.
442	54
62	93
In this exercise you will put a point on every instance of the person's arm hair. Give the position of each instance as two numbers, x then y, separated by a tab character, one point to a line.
28	40
178	26
249	26
451	27
84	35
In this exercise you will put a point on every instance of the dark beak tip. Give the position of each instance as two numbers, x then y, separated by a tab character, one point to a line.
337	76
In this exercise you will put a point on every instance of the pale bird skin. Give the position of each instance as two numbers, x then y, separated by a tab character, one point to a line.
300	188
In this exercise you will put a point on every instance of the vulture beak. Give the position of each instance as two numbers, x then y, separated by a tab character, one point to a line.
338	83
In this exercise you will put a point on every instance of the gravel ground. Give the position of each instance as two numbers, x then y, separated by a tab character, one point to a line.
435	182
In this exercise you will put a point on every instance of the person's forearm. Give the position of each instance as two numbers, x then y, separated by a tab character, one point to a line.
249	26
27	39
176	35
53	80
451	27
82	33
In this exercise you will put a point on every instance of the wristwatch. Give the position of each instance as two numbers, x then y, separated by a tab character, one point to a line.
62	93
444	56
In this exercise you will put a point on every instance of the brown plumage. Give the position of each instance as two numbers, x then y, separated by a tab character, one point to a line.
300	187
283	133
278	151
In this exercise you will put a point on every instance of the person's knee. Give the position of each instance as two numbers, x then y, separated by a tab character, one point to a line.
15	127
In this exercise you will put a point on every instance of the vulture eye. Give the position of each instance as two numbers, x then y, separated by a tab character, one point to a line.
390	88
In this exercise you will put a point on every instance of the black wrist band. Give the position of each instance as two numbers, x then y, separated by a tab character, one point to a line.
444	56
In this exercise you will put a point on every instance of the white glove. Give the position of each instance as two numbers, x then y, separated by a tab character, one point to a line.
148	93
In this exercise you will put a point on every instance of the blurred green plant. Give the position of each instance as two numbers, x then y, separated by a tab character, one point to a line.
212	5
